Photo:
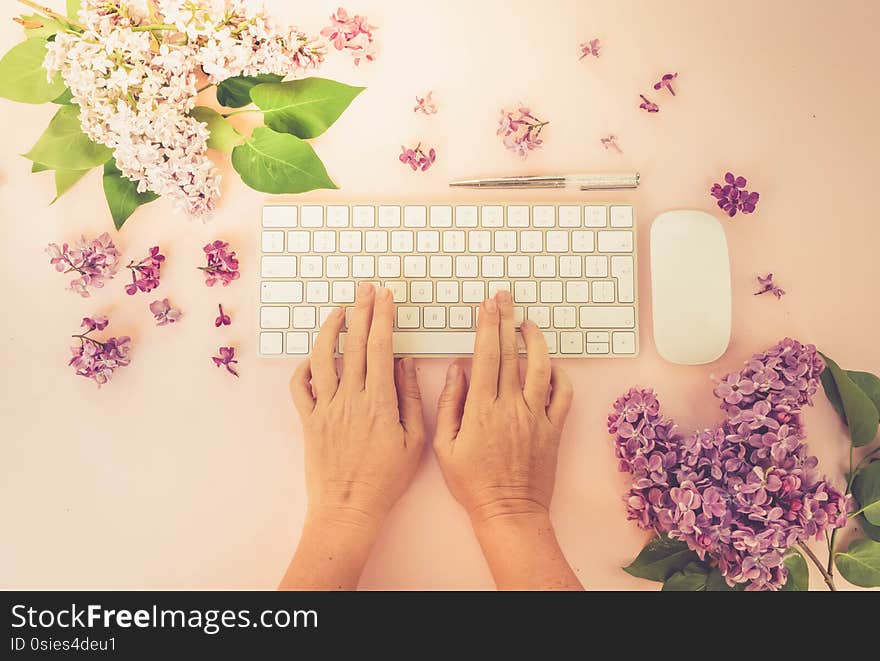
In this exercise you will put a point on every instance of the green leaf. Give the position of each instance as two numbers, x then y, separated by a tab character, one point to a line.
798	573
860	414
866	489
48	26
860	563
279	163
122	194
661	558
236	92
692	578
715	583
65	179
224	136
868	528
66	98
39	167
305	108
869	383
22	76
73	8
63	146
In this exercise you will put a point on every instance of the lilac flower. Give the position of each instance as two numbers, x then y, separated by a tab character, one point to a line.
351	33
97	360
416	158
744	491
590	47
610	142
648	105
94	261
733	197
222	319
767	285
666	81
226	358
222	265
145	273
164	312
425	105
520	131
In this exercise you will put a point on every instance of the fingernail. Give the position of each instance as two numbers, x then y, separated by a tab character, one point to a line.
364	289
503	296
383	293
340	312
409	366
490	306
526	323
452	373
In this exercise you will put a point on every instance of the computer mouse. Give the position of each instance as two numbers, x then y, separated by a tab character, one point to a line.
690	287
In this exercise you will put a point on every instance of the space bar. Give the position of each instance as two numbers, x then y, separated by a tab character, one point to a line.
424	342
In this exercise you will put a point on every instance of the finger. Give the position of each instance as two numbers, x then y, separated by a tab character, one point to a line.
301	389
508	378
354	359
323	361
380	359
537	380
484	373
450	407
561	393
409	399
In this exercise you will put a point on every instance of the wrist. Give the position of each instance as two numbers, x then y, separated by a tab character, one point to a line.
343	520
510	514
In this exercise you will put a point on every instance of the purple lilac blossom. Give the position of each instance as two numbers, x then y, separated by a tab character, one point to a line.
666	81
222	265
767	285
222	319
745	490
417	158
226	358
145	273
648	105
95	359
164	312
733	196
94	260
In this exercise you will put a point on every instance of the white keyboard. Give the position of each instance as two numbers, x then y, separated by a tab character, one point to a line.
570	268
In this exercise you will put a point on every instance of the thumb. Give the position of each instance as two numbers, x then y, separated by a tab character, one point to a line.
450	406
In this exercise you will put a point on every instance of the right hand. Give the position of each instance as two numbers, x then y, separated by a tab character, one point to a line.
497	440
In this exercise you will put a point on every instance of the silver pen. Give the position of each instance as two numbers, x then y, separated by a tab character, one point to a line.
581	181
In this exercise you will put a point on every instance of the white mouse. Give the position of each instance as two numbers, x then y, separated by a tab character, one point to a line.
690	287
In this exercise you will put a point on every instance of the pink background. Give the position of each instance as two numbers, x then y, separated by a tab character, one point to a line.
179	476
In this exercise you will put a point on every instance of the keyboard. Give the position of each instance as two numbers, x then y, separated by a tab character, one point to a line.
571	268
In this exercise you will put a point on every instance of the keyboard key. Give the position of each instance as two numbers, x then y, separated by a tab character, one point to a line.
518	216
492	266
447	291
363	216
274	317
492	216
323	241
428	342
570	267
441	216
363	266
545	266
540	315
557	241
298	343
318	292
337	216
582	241
453	241
440	266
596	266
569	216
603	291
397	289
473	291
479	241
577	291
623	342
421	291
598	348
298	242
496	286
434	317
571	342
270	344
550	339
622	269
531	241
505	241
621	217
389	216
312	216
607	317
543	216
337	267
343	291
279	216
415	216
519	313
615	241
304	316
465	216
459	317
407	317
518	266
428	241
466	266
273	242
311	266
551	291
389	266
595	216
349	241
281	292
402	241
565	316
525	291
278	266
414	266
598	336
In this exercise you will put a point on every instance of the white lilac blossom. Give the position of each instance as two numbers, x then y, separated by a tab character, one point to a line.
745	490
135	87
